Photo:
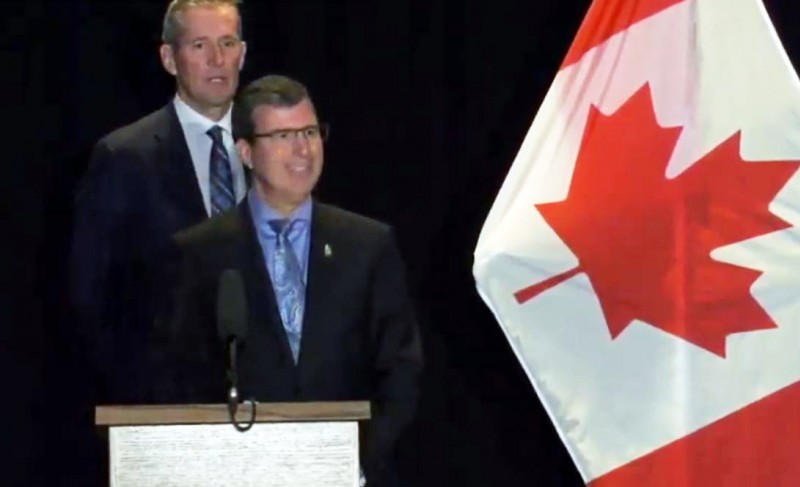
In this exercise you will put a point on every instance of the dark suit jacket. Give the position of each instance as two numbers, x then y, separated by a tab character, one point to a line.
360	340
139	189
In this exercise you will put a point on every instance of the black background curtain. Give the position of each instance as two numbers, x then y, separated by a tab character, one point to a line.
428	102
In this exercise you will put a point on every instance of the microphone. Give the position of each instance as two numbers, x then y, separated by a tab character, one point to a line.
231	306
232	330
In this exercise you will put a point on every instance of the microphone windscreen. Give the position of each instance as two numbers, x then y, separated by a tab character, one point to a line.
231	306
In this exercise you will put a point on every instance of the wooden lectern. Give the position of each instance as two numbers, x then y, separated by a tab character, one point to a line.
312	444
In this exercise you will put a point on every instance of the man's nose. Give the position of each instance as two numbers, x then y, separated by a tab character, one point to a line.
215	57
302	143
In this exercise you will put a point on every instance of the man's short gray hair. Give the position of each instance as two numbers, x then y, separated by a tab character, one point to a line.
171	29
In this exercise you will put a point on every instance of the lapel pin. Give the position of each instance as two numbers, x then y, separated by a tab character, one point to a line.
328	251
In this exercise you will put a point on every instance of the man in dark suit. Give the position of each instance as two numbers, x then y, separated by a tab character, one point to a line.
162	173
330	317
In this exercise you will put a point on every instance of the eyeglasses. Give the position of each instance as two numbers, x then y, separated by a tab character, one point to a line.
312	133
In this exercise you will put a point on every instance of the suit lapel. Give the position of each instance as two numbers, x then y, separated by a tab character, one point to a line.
179	177
260	295
322	270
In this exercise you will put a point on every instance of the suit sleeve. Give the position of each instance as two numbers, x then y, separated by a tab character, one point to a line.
179	351
398	358
99	210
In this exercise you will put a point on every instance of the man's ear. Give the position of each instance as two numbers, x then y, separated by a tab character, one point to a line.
244	54
244	153
168	59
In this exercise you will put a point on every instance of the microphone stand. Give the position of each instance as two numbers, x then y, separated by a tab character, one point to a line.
233	393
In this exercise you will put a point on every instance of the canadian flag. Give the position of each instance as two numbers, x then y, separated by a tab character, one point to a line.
643	256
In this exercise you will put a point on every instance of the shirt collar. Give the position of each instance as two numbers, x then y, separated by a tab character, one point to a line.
262	213
193	120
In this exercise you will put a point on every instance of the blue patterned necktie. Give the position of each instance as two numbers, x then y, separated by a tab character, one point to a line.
220	175
289	286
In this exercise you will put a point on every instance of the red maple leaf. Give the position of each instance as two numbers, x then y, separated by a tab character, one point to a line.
644	240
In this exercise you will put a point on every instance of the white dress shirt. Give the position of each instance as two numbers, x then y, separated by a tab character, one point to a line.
195	127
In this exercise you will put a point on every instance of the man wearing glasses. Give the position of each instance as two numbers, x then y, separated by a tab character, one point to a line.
165	172
330	317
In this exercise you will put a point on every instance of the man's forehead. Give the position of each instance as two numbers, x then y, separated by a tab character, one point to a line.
302	112
204	16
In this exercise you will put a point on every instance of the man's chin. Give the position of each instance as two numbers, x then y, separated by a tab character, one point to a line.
222	102
218	100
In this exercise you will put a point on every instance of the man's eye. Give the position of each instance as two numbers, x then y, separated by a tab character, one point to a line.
311	132
282	135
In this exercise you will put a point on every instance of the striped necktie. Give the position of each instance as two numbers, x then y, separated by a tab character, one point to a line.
221	177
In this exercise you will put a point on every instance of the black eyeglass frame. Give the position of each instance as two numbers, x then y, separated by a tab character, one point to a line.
323	129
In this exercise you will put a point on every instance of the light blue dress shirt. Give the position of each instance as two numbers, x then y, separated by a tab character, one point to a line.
299	237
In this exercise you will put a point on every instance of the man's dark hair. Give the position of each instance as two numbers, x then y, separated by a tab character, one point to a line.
272	90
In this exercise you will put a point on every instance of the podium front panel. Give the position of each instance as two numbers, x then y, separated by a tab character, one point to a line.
299	454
